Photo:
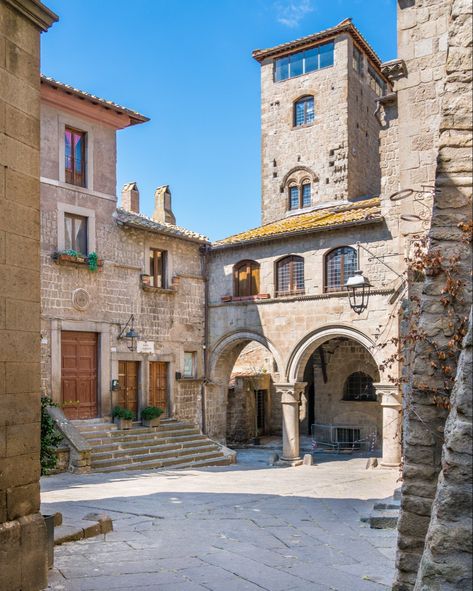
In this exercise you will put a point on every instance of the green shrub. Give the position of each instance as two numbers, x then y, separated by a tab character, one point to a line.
50	438
151	412
92	261
122	413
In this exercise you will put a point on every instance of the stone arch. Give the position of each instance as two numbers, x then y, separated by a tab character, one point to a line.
307	345
297	169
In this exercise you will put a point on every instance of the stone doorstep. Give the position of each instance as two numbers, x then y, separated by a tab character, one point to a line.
102	524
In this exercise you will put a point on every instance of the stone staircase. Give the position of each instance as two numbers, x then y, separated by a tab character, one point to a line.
174	444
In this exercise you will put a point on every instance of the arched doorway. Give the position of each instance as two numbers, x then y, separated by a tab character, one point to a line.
340	405
240	400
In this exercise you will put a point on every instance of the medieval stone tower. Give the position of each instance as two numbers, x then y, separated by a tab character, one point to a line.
319	128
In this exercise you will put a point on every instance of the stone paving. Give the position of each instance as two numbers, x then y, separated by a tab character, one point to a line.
248	527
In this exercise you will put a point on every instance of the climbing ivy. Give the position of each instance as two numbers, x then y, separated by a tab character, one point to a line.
50	438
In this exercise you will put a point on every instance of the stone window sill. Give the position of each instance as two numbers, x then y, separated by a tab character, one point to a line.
260	296
151	289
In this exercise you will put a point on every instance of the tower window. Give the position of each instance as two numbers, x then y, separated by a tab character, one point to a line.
304	62
306	195
357	61
377	84
304	111
300	195
293	197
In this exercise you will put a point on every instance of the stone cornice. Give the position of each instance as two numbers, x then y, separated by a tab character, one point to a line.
39	14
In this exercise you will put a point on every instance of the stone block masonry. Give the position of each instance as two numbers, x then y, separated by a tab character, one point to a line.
23	555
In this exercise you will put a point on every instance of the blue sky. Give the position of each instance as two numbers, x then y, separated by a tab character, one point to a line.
187	65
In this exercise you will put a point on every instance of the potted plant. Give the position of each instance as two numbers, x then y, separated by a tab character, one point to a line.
122	417
150	416
145	279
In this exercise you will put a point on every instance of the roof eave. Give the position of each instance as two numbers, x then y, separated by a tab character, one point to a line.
281	236
137	226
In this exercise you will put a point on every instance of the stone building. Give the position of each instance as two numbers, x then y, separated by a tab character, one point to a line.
282	285
23	540
109	272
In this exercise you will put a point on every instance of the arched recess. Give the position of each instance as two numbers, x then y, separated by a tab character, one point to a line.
307	345
312	176
231	345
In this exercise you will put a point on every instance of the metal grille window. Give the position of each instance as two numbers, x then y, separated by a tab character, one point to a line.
75	233
290	276
246	278
304	111
359	386
74	148
157	268
340	264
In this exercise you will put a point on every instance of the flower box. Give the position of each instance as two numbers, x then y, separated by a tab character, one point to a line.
79	260
151	422
123	424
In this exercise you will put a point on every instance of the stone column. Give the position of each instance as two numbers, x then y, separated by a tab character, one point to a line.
290	398
390	398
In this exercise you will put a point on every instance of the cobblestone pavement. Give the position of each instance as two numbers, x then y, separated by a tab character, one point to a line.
247	527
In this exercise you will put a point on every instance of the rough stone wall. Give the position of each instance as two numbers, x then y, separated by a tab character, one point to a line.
446	561
336	147
424	420
241	407
23	553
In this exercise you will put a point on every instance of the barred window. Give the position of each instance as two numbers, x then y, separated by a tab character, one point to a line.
359	386
246	278
290	276
304	111
340	264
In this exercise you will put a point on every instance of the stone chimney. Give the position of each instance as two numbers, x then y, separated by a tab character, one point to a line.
162	206
131	197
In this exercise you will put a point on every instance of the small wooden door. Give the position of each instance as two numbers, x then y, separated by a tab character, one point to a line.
158	385
79	374
128	390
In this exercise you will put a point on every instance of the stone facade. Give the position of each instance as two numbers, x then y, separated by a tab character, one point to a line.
168	318
23	544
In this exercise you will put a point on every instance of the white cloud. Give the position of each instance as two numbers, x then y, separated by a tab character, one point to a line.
291	12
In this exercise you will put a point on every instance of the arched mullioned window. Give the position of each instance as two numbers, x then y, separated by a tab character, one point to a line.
300	195
359	386
290	275
304	112
246	278
340	264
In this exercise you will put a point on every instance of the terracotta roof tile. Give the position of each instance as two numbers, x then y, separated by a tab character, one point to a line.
142	222
361	212
135	117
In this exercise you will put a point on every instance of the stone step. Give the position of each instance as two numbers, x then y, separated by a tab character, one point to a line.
111	445
170	458
386	519
382	506
99	454
126	437
193	463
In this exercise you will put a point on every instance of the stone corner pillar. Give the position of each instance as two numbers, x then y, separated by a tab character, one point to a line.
290	398
390	398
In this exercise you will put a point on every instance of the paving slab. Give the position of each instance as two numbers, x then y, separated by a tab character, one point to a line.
246	527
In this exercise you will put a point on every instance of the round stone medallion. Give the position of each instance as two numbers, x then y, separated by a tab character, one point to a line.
80	299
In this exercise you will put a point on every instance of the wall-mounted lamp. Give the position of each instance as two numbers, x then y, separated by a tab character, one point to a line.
131	335
359	289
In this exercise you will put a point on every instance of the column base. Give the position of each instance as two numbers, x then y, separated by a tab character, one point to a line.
389	464
291	462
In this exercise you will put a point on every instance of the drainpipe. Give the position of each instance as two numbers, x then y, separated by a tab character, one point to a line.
204	252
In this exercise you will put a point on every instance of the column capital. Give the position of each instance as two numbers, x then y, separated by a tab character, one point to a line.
290	393
388	395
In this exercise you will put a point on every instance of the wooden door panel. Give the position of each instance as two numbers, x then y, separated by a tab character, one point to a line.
158	385
128	380
79	374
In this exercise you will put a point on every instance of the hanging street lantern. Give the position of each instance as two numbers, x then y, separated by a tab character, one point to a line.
130	335
359	289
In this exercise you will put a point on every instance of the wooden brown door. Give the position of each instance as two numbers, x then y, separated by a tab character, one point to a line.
158	384
128	380
79	374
